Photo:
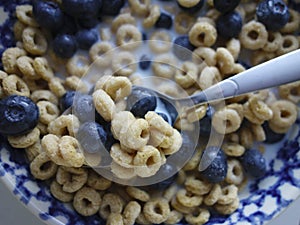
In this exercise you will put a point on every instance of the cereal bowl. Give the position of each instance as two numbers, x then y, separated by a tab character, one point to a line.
261	199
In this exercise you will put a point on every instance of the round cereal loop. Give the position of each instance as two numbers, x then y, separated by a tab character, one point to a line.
284	113
289	44
153	15
33	150
235	174
157	122
213	14
34	41
226	121
260	56
213	195
180	208
100	53
122	19
24	140
87	201
115	219
9	59
203	34
187	199
42	68
44	95
56	87
122	172
57	191
139	7
199	217
196	114
97	182
237	107
34	85
246	137
117	122
175	144
228	209
69	149
118	88
233	149
206	55
164	66
104	105
48	111
174	217
18	30
183	22
260	109
78	65
209	76
160	41
75	83
25	15
121	157
14	85
293	23
225	60
228	195
128	37
71	179
42	167
137	193
124	64
234	47
43	128
290	91
258	132
157	210
25	65
101	82
2	76
253	35
207	20
188	3
131	212
249	115
274	41
197	186
194	161
187	75
64	125
111	203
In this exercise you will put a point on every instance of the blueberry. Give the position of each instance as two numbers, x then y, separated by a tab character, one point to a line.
271	136
274	14
164	116
83	107
110	140
64	45
19	115
140	101
66	100
144	62
192	9
88	22
81	8
164	21
229	25
69	25
205	123
86	38
226	6
111	7
170	109
254	163
144	36
182	47
91	137
48	15
217	170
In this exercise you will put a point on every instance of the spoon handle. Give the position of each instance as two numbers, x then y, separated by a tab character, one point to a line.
278	71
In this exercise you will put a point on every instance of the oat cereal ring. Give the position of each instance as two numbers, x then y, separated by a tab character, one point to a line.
43	128
58	193
139	7
122	19
101	82
235	174
194	161
175	144
183	124
260	109
278	129
209	76
212	197
174	217
117	122
121	157
24	140
160	41
203	34
142	220
100	53
249	115
64	125
284	113
197	114
183	22
137	193
226	121
18	30
228	209
48	111
199	217
75	83
188	3
289	43
253	35
115	219
42	68
213	14
122	172
42	167
228	195
78	65
69	149
293	23
105	33
180	208
164	66
131	212
25	15
98	182
246	137
170	192
274	41
104	105
186	76
237	107
258	132
118	87
206	55
33	150
14	85
111	203
44	95
207	20
234	47
197	186
188	199
233	149
87	201
56	87
128	37
290	91
9	59
34	41
260	56
157	210
25	65
124	64
225	60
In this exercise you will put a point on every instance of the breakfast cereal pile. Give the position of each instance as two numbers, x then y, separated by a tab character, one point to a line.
43	78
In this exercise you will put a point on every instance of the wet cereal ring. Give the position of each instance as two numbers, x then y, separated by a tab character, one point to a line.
24	140
204	55
174	217
209	76
249	115
75	83
131	212
111	203
235	174
157	210
9	59
18	30
194	161
261	56
14	85
100	53
183	22
42	167
180	208
187	199
258	132
284	113
138	194
57	191
234	47
34	41
42	68
104	105
226	121
203	34
228	195
56	87
170	192
290	91
98	182
233	149
175	144
25	15
44	95
124	64
33	150
48	111
212	197
199	217
197	186
260	109
25	65
289	44
164	66
188	3
187	75
121	157
128	37
159	41
274	41
122	19
78	65
117	122
139	7
118	87
225	61
64	125
122	172
228	209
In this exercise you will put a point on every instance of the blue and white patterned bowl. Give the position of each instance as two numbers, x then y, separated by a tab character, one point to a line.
261	200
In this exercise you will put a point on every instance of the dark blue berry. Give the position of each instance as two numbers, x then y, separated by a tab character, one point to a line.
69	25
274	14
226	5
48	15
170	109
144	62
111	7
81	8
192	9
110	138
164	21
83	107
86	38
88	22
91	137
19	115
205	123
182	47
164	116
254	163
66	101
271	136
140	101
229	25
144	36
64	45
217	170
